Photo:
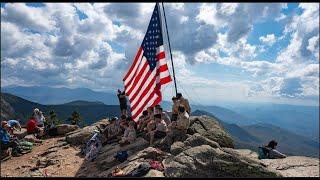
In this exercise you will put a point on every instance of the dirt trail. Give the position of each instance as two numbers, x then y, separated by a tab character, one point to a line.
58	160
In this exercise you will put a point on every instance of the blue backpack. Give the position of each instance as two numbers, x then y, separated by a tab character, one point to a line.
121	156
4	136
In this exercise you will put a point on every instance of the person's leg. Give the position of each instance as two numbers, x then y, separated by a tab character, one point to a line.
125	112
168	141
150	126
276	154
4	149
151	137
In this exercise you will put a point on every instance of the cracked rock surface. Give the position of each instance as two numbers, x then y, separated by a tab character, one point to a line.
207	151
295	166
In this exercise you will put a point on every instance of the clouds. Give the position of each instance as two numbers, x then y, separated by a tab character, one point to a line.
93	44
269	39
239	18
25	17
294	71
51	45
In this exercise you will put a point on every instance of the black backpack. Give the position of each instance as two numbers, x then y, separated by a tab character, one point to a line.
142	170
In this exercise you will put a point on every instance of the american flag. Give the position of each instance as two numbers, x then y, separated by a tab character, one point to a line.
148	71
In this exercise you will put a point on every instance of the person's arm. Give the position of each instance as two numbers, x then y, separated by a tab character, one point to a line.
188	106
276	154
131	136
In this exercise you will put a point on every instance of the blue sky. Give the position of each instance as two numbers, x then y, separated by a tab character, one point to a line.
257	52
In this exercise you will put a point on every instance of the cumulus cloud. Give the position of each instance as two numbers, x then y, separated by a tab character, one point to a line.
239	18
269	39
295	69
53	45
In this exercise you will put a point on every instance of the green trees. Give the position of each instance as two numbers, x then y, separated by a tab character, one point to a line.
75	118
53	119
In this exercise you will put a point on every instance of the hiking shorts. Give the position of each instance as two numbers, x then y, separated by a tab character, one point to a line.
35	131
159	134
174	117
123	107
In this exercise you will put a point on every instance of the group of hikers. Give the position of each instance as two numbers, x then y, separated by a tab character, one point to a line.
36	125
153	124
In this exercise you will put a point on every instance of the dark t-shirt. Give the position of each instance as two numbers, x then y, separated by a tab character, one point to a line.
122	99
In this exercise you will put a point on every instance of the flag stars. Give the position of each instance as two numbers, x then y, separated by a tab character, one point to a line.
153	39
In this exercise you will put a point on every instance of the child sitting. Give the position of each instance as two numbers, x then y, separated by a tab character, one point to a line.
160	130
129	135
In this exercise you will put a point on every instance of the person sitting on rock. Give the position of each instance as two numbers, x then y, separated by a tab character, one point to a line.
184	102
142	120
38	116
160	130
183	121
122	122
129	135
177	130
13	125
164	115
272	153
112	131
175	110
33	128
135	125
93	146
7	141
149	119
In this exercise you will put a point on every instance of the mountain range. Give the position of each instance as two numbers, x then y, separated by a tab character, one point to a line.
303	120
245	136
52	95
14	107
253	136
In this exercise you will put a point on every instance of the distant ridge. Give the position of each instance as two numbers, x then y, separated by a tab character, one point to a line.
84	103
51	95
252	136
89	111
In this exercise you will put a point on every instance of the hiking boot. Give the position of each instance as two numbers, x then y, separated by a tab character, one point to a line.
6	155
16	154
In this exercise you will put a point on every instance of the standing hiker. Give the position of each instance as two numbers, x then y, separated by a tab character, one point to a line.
175	110
123	102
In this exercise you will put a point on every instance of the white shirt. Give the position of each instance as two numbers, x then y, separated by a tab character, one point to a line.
162	126
39	118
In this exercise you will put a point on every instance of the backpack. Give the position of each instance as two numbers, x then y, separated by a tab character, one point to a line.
263	153
53	131
140	171
121	156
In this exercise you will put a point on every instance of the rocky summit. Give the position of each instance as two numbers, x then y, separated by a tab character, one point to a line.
207	151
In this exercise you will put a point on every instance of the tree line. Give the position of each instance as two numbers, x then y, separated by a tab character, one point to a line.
74	119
